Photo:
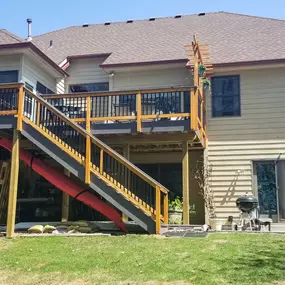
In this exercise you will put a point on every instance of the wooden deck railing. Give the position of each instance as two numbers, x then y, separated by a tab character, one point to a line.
97	158
139	105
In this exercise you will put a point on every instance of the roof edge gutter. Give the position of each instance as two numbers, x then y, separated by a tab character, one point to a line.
248	63
143	63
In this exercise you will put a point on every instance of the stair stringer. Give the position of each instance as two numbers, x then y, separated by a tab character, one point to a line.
97	185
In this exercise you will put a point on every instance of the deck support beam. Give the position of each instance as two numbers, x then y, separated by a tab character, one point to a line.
13	188
126	154
185	182
65	202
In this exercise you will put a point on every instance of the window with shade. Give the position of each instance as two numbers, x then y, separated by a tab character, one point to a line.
9	76
89	87
43	90
225	96
100	104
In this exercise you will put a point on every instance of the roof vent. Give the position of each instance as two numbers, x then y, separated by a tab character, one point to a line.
107	24
29	21
50	43
178	17
151	19
201	14
85	25
130	21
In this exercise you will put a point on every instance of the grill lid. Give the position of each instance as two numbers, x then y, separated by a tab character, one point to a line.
247	199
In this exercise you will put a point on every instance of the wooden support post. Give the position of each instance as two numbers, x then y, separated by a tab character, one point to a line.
20	109
38	113
126	154
192	111
88	141
13	188
65	202
165	208
158	210
101	162
185	182
139	112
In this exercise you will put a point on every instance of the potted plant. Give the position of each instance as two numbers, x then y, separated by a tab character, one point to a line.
206	83
202	174
175	211
201	70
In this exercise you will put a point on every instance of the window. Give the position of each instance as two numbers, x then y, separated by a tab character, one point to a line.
89	87
41	89
29	86
9	76
225	96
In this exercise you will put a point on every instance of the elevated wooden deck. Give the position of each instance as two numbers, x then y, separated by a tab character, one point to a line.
139	111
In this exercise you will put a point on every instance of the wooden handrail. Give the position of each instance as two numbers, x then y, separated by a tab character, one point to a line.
109	93
11	85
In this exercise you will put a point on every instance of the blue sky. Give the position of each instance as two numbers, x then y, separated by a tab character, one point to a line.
49	15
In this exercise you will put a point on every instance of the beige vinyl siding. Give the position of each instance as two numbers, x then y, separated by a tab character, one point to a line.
147	79
86	71
60	87
11	62
258	134
33	73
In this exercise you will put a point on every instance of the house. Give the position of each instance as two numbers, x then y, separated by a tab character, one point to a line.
132	86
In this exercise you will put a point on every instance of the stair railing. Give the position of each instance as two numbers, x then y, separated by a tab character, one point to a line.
124	177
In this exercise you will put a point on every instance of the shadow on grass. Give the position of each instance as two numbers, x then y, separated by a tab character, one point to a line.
258	264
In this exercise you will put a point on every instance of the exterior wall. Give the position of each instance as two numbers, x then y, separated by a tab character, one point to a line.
60	87
11	62
85	71
146	79
235	142
89	71
32	73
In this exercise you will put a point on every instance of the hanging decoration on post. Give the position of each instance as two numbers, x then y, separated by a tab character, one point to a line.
199	53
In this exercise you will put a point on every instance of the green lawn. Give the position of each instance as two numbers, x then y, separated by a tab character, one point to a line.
131	259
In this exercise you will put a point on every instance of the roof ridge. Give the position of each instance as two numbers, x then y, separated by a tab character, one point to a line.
12	35
253	16
165	17
123	21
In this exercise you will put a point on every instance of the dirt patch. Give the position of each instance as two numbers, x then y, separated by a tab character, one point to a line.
153	283
9	278
15	278
5	244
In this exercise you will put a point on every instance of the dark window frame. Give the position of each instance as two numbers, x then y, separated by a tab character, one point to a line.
16	76
214	112
82	85
45	90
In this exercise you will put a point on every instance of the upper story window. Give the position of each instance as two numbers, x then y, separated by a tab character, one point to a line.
89	87
8	76
41	89
226	96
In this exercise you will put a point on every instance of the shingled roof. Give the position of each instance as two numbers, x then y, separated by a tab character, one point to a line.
232	38
9	38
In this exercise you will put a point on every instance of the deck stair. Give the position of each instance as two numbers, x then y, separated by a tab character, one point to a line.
103	170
